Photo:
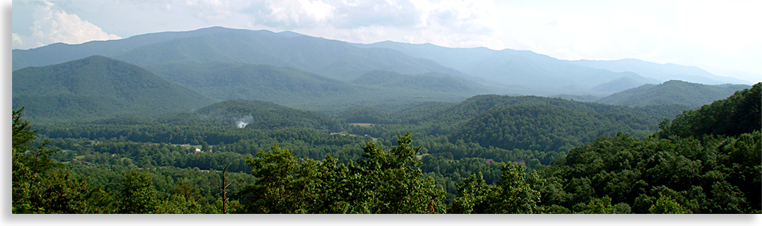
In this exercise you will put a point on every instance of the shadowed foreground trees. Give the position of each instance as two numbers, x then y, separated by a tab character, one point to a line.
40	185
383	182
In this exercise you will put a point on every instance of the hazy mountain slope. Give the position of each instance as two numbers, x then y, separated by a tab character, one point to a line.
227	81
618	85
97	87
297	88
429	82
660	72
518	72
60	52
672	92
330	58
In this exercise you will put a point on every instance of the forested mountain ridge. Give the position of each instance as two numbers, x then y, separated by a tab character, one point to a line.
97	87
672	92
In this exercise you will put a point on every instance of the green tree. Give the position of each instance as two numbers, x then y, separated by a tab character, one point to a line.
185	199
29	160
473	195
666	204
284	183
513	194
382	182
395	179
137	193
39	186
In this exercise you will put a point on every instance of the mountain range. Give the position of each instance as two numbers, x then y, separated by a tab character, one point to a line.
181	71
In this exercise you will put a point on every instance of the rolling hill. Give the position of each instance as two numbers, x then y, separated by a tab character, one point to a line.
557	128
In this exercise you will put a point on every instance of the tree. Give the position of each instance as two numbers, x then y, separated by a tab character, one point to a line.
396	182
382	182
666	204
137	193
39	186
284	183
517	196
513	194
473	195
30	160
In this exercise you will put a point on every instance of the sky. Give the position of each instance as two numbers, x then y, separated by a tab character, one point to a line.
722	37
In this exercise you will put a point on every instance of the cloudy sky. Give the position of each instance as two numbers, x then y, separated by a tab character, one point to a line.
722	37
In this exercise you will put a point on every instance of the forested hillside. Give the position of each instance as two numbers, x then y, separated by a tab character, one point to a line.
698	164
97	87
672	92
545	127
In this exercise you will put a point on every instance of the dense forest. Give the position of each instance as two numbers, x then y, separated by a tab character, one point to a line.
486	154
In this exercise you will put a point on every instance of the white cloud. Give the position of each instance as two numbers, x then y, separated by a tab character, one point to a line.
318	10
54	25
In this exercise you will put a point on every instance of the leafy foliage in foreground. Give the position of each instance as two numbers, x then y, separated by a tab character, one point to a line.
382	182
39	186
